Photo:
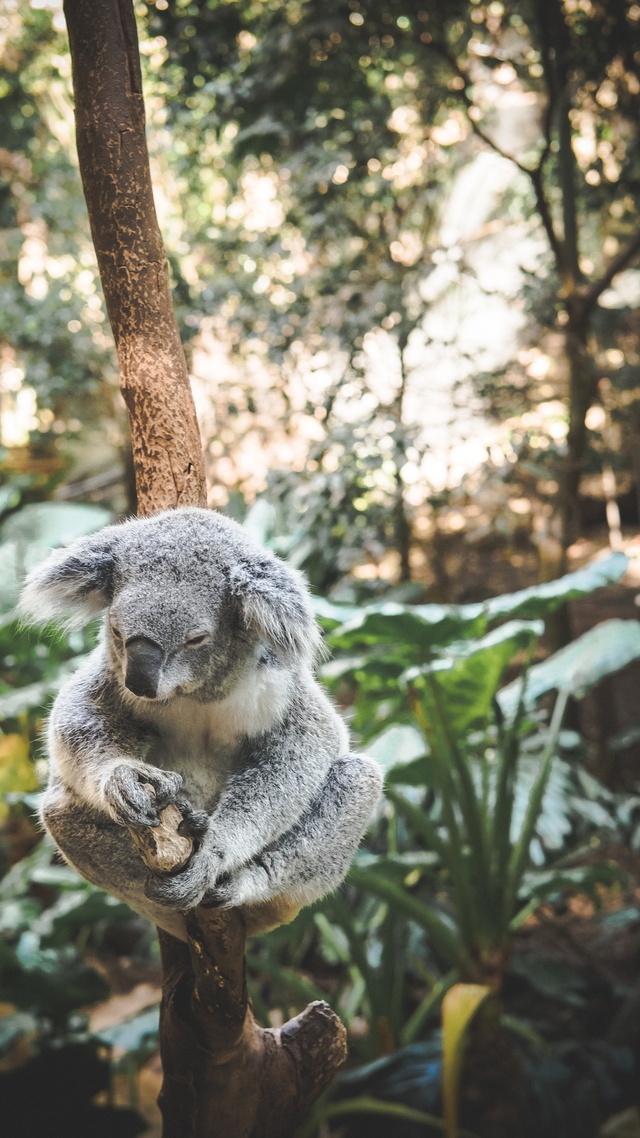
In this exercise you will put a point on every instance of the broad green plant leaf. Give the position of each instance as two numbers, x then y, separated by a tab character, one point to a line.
134	1040
27	536
426	627
431	627
397	746
596	654
459	1006
463	685
540	600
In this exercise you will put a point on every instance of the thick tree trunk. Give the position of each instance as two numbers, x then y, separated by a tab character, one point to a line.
114	165
224	1077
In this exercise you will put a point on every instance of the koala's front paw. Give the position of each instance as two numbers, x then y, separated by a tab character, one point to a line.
182	890
195	823
130	804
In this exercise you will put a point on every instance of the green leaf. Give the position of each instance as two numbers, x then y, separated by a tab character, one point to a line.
421	825
553	978
397	746
14	703
596	654
27	536
334	614
432	627
77	909
136	1039
415	1023
469	676
521	848
416	773
441	930
540	600
577	879
426	627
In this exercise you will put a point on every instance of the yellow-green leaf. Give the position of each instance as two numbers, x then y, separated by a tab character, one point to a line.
458	1009
16	770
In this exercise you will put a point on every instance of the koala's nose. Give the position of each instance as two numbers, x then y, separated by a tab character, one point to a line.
144	664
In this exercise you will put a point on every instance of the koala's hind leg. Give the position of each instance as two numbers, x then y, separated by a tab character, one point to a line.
103	854
313	857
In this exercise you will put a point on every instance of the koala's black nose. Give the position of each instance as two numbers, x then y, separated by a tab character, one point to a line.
144	664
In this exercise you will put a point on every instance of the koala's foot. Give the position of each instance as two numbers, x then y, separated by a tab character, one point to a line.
130	804
247	885
183	890
312	858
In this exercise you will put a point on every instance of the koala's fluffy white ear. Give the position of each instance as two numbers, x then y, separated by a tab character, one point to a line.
275	604
72	585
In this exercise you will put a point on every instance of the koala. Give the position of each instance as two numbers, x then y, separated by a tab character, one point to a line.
201	688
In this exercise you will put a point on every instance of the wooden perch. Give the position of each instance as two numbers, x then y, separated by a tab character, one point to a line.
222	1072
162	848
224	1077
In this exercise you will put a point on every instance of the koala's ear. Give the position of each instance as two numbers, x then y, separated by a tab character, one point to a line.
73	584
275	604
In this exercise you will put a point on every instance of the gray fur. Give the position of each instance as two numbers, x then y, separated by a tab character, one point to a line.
217	638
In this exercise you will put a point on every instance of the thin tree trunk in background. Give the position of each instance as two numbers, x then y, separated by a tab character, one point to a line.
224	1077
581	395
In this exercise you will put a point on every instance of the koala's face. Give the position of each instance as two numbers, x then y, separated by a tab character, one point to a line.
175	638
191	600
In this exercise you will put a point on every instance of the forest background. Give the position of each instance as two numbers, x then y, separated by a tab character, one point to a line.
404	244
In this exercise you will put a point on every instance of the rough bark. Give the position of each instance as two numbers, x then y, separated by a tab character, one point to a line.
224	1077
114	165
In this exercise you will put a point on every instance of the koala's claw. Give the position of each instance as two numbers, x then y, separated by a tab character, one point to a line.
246	886
166	784
218	897
130	804
195	823
180	891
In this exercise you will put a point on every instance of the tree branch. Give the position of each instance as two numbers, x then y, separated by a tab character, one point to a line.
535	174
621	261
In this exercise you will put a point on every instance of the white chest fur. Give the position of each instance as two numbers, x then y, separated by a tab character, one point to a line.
203	741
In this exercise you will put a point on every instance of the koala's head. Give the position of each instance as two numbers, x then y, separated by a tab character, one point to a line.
192	602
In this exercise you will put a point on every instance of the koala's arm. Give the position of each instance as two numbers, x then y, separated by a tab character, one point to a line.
98	751
282	774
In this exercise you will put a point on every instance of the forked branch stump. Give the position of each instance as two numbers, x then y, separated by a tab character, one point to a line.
224	1077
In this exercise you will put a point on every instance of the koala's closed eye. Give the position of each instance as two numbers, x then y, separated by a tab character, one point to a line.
197	639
